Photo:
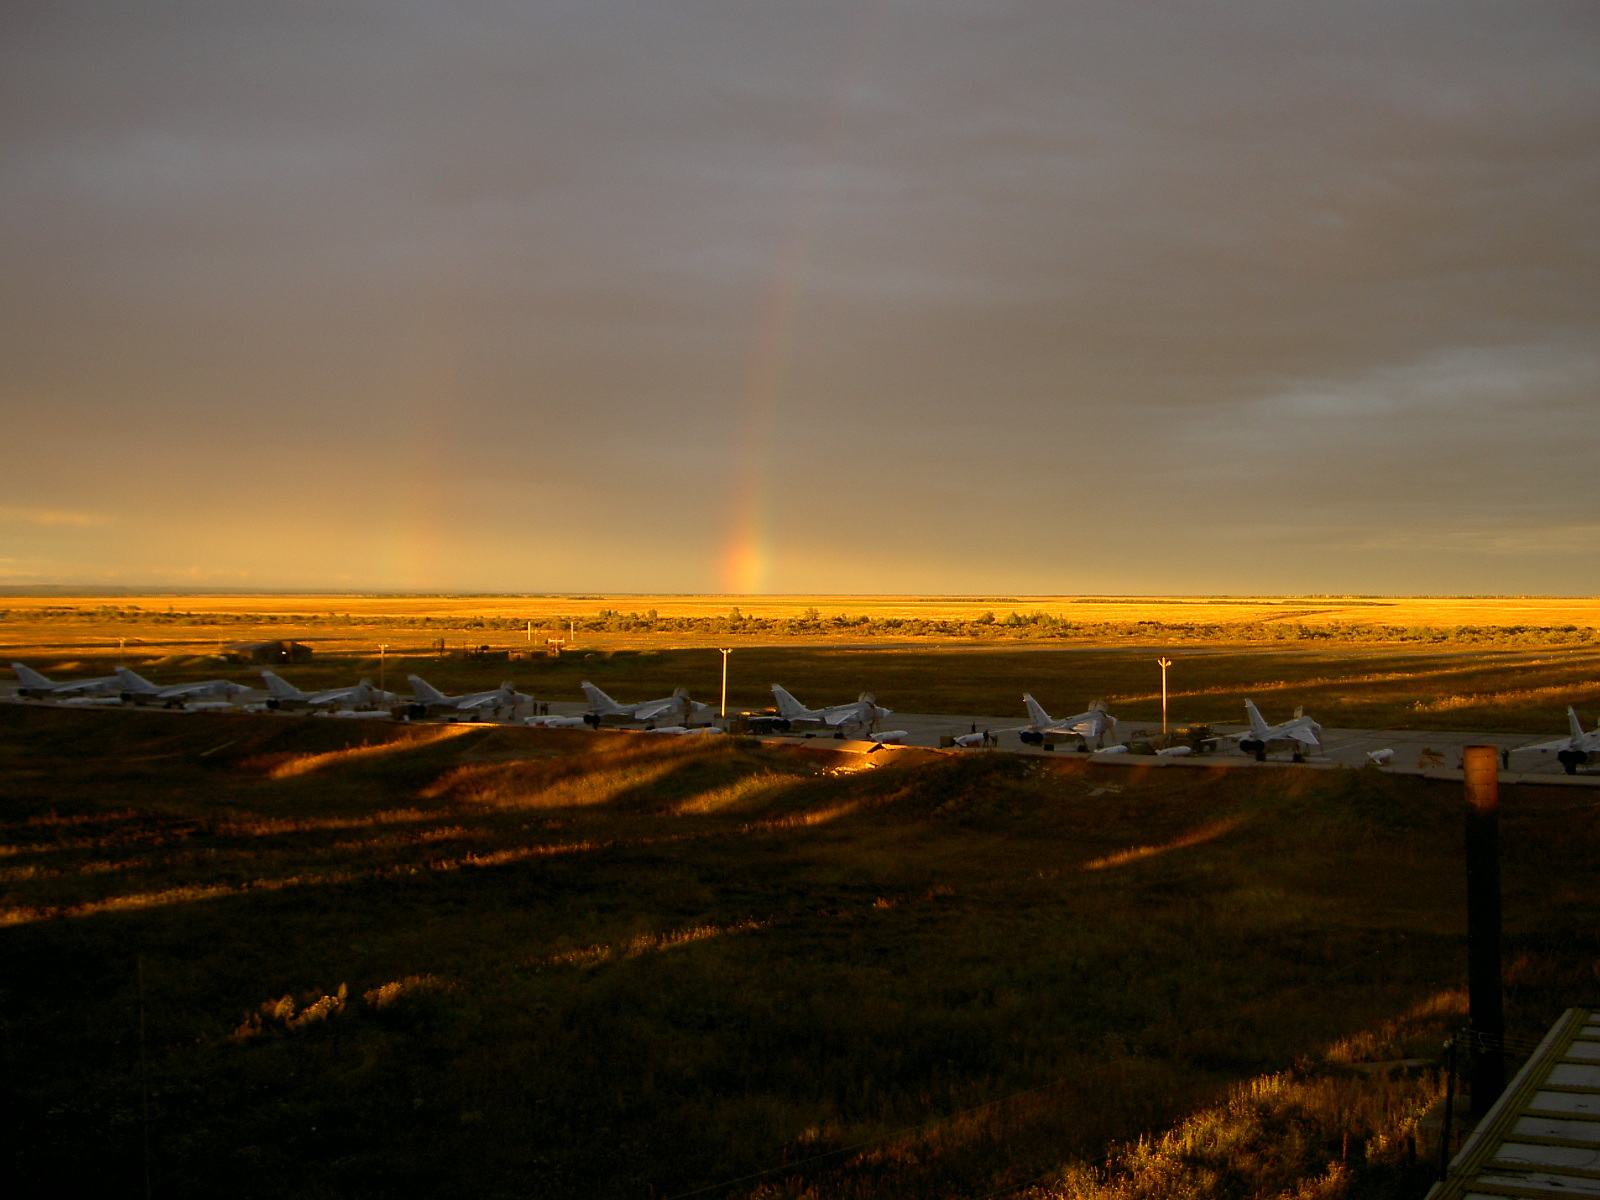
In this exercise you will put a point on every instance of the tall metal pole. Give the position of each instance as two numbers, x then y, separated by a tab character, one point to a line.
725	654
382	664
1481	776
1163	663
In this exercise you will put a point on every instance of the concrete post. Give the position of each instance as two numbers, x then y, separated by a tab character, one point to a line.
1481	771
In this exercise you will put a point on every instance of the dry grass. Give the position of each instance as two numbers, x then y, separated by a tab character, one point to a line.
1195	837
198	624
1276	1136
1575	693
304	764
620	965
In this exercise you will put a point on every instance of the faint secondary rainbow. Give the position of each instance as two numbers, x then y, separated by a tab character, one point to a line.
746	558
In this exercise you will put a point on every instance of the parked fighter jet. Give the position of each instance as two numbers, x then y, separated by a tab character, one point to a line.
284	695
1571	751
1088	726
138	690
1300	731
865	713
31	683
429	701
676	709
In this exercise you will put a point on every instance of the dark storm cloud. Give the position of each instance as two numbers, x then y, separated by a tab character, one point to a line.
1253	296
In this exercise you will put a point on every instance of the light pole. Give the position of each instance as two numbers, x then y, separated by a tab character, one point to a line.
725	654
383	663
1163	663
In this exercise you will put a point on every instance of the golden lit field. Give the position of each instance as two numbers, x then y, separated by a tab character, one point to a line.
551	610
413	624
265	957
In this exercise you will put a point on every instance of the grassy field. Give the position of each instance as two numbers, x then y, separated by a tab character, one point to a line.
270	956
418	625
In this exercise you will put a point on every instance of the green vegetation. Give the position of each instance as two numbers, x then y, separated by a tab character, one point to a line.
501	962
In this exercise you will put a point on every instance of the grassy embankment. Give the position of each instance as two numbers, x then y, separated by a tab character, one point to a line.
502	962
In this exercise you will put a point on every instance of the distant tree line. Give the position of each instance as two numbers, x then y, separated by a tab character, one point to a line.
1014	626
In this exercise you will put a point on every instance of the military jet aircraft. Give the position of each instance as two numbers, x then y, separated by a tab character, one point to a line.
429	701
1300	732
676	709
32	684
138	690
284	695
864	713
1572	751
1087	726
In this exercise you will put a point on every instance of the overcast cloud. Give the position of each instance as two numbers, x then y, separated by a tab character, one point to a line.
971	296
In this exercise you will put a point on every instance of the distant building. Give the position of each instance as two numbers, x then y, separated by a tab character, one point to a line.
267	652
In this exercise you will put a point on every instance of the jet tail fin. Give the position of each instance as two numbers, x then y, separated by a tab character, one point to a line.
281	689
1036	712
424	691
788	707
132	682
30	678
1572	720
1258	726
598	700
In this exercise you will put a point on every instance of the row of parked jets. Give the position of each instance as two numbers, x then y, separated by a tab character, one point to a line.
678	713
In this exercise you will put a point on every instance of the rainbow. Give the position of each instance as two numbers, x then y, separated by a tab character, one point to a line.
747	550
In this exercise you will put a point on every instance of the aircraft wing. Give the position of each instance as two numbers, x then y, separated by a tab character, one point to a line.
1300	733
651	709
190	689
107	683
1564	743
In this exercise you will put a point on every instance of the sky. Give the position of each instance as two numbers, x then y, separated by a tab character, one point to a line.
802	296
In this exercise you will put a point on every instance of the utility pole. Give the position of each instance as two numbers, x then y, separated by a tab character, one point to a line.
725	654
383	663
1481	777
1163	663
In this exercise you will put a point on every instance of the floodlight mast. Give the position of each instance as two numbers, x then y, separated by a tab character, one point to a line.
1163	663
382	663
725	654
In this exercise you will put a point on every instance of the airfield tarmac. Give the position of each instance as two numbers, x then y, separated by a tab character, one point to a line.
1431	753
1436	754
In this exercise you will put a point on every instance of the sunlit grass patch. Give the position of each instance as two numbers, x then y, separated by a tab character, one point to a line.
282	1014
1423	1024
525	785
1195	837
278	826
741	793
387	995
304	764
1275	1136
1573	693
646	943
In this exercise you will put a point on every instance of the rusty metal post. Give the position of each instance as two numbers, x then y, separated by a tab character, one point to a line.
1481	775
